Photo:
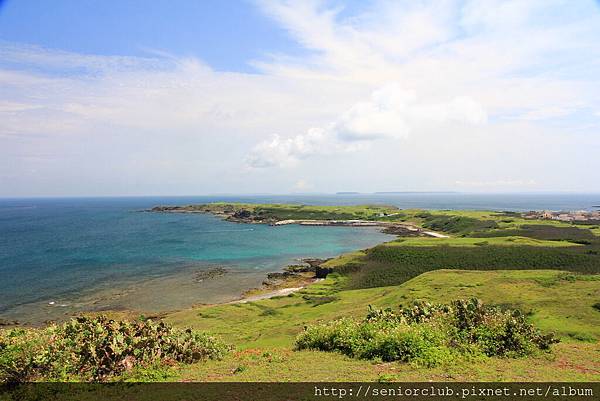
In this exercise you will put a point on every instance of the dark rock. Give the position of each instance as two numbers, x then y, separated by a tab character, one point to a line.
402	231
279	275
242	214
314	262
209	274
322	272
299	268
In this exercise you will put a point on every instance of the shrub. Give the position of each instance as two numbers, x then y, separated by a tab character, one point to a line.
429	334
95	349
385	265
543	232
455	224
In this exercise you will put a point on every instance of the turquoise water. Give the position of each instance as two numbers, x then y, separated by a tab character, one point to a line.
51	248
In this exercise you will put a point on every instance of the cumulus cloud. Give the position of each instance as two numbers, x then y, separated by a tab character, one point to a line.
397	80
390	112
280	152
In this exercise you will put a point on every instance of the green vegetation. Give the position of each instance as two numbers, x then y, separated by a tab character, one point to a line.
396	262
98	349
548	270
470	242
275	212
429	334
455	224
543	232
554	301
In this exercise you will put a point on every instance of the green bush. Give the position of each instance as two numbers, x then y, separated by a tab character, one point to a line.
429	334
455	224
385	265
96	349
543	232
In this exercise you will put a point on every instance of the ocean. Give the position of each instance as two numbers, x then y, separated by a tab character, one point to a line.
62	255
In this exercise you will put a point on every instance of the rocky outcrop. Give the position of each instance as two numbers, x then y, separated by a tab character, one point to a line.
279	275
242	214
403	230
314	262
209	274
299	268
322	272
316	266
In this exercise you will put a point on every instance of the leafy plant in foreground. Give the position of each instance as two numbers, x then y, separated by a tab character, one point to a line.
96	349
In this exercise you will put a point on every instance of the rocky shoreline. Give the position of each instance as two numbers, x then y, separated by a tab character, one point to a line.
292	278
249	217
298	276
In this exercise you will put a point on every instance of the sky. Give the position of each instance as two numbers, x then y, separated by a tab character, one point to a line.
206	97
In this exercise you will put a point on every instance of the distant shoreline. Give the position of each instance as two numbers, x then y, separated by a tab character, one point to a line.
238	215
244	216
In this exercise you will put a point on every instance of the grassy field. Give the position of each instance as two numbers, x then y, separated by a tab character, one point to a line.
549	270
396	262
296	212
455	222
471	242
264	331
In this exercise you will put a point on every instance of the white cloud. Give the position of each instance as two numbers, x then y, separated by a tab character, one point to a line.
390	112
472	87
279	152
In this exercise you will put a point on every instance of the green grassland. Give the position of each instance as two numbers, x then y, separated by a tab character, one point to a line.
394	263
471	242
299	212
264	331
547	269
456	222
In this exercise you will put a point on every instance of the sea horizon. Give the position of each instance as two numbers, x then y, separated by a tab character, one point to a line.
65	250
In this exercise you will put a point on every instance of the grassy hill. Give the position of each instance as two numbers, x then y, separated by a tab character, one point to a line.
398	261
500	258
264	331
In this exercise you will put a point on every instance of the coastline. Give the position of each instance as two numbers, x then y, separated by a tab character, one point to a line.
179	291
244	216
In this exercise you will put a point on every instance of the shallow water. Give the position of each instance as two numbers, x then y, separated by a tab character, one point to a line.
67	251
94	253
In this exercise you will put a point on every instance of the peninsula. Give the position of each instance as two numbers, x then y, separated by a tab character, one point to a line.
457	295
390	218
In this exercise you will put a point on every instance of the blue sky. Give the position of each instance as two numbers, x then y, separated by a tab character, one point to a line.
224	34
198	97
